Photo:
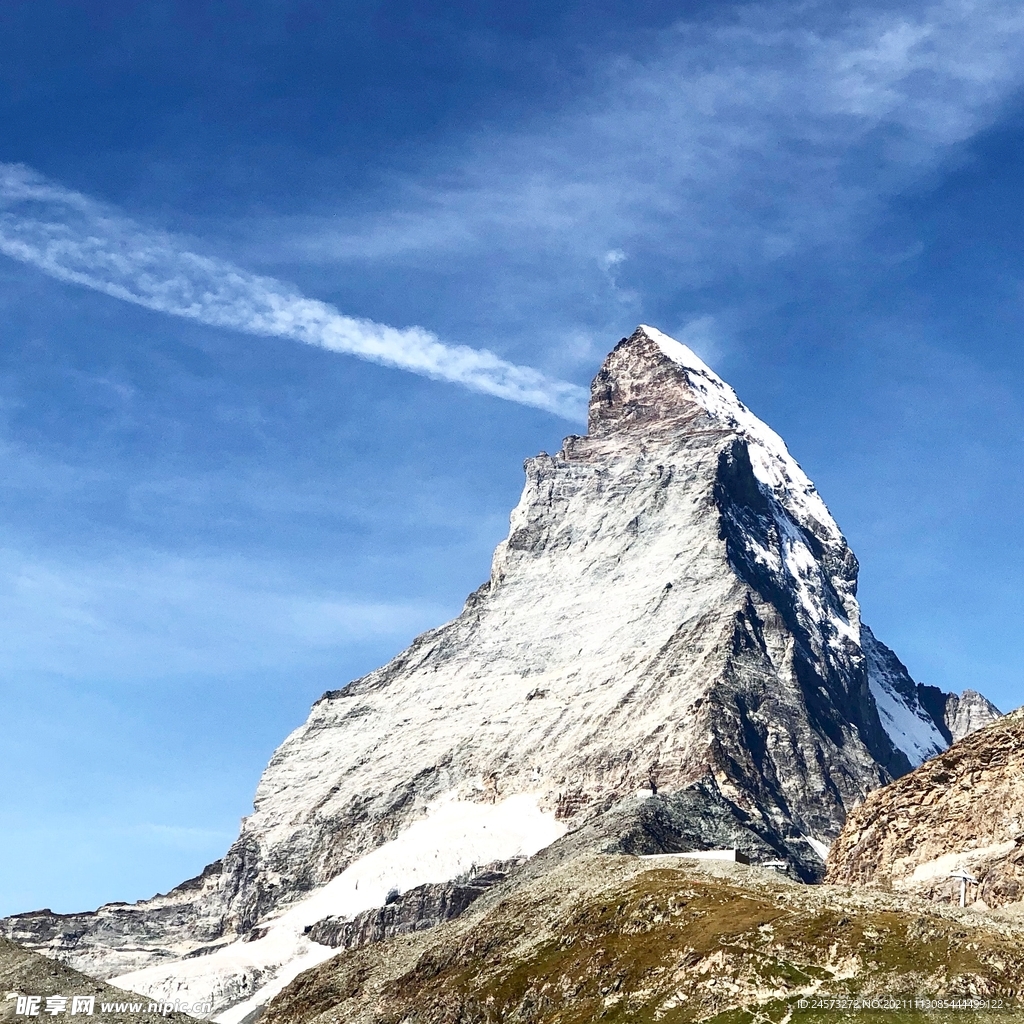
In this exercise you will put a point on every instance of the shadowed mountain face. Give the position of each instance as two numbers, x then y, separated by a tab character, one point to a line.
670	630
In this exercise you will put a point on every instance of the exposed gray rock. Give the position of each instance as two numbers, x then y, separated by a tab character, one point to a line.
121	937
416	910
968	713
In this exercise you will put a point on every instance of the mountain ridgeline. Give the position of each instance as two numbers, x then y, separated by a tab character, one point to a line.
668	655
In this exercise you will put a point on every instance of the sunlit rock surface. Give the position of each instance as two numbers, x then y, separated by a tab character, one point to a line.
961	811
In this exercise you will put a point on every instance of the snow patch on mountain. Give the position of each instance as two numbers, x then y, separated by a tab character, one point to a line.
454	837
820	848
907	727
908	724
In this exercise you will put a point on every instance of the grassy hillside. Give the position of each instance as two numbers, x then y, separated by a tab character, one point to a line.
626	940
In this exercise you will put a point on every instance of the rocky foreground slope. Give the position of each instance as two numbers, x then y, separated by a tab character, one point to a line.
627	939
27	974
962	809
672	618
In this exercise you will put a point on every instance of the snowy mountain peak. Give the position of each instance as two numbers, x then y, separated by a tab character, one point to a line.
652	381
668	655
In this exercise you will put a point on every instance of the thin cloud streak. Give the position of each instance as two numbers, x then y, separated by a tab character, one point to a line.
76	239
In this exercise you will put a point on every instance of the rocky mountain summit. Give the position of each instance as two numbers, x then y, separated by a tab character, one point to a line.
962	809
669	643
967	713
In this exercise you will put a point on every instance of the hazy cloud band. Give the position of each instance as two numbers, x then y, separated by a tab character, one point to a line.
74	238
694	165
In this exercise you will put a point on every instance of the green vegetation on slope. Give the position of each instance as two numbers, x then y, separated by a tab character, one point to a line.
672	945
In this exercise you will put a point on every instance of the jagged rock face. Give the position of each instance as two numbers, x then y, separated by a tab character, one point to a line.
424	907
957	715
673	611
656	616
962	809
967	713
121	937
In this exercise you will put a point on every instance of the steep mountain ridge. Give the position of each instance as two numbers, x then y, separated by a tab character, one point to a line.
673	617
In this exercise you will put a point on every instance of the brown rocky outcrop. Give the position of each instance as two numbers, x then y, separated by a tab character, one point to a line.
962	809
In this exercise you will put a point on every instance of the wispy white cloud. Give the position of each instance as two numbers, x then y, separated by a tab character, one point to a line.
705	156
154	616
74	238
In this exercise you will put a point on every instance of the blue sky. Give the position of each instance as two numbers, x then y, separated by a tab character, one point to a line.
213	510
